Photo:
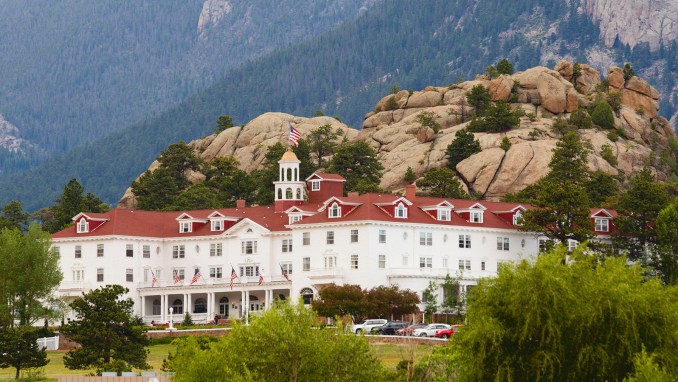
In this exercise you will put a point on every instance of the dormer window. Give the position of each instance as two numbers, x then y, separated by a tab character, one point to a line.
602	225
294	218
315	185
476	217
185	227
517	218
401	211
335	211
217	225
444	214
83	226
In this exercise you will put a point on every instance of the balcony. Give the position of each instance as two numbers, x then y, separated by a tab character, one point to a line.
74	288
330	274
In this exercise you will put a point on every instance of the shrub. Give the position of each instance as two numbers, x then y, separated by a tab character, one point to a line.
504	67
188	320
613	136
581	119
499	117
602	115
534	134
531	116
479	98
614	99
505	144
576	72
607	154
463	146
640	111
628	72
409	175
394	89
427	119
391	103
561	126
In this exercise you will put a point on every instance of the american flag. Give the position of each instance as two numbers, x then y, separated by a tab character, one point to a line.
233	276
196	276
284	273
154	280
261	279
177	278
294	135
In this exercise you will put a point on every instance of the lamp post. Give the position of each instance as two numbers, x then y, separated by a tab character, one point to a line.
171	319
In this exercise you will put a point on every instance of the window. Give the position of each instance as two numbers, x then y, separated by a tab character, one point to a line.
602	225
78	275
330	237
306	238
517	218
382	236
185	227
354	261
335	211
306	264
482	265
217	225
444	214
307	295
249	247
129	275
178	307
464	265
215	249
382	261
294	218
129	250
315	185
156	307
354	236
544	244
476	216
287	245
572	244
157	274
146	250
100	275
216	272
405	261
57	251
83	226
286	268
178	251
178	275
100	250
502	244
330	262
464	241
425	262
78	252
249	270
200	306
401	211
426	238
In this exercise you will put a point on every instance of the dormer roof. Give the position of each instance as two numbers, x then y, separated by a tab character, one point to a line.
90	217
602	213
326	177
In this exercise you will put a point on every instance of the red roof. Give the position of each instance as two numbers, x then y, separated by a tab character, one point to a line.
324	176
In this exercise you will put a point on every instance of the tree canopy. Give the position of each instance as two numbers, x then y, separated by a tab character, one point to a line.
442	183
463	146
351	300
355	162
19	349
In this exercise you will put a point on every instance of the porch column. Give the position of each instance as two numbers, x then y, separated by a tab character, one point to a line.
243	304
163	308
210	310
143	307
188	303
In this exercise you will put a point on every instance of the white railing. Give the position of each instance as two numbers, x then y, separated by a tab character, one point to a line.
49	343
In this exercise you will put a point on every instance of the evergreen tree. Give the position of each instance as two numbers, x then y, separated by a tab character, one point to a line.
196	197
504	66
178	159
322	142
442	183
155	190
603	115
356	162
13	216
105	330
628	71
430	299
498	118
19	349
665	259
463	146
70	203
229	181
410	177
601	188
224	122
479	98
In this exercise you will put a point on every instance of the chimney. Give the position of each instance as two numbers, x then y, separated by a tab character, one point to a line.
240	203
410	192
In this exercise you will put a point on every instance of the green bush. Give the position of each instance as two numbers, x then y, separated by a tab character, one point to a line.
602	115
581	119
628	72
505	144
188	320
479	98
607	154
427	119
613	136
498	118
409	175
391	103
614	99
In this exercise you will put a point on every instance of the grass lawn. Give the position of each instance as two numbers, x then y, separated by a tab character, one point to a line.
390	355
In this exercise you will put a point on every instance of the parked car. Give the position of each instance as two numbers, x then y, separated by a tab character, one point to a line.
447	333
430	330
407	331
367	325
389	328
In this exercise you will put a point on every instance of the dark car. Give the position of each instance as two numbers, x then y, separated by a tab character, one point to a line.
389	328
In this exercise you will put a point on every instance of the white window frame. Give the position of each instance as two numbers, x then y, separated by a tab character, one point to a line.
100	275
426	238
425	262
216	272
382	261
180	272
248	247
287	245
602	225
517	216
306	264
305	238
218	225
146	251
100	250
178	251
294	218
185	227
476	217
464	264
78	252
354	261
129	275
315	185
216	249
572	244
354	236
483	265
83	225
464	241
503	243
286	267
129	250
444	214
330	238
334	211
382	236
400	211
330	262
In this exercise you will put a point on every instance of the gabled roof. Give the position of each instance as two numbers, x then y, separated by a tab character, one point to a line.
90	216
243	223
342	201
393	203
326	177
443	204
602	213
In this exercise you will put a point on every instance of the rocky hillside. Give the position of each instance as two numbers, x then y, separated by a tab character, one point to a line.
401	142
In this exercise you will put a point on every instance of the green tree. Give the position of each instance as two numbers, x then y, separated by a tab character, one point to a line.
410	176
569	160
322	142
586	321
430	299
505	144
342	300
70	203
504	66
196	197
463	146
452	302
646	369
355	162
628	71
224	122
390	301
19	349
479	98
13	216
442	183
427	119
637	210
365	186
576	72
287	348
603	115
498	118
231	183
580	118
665	258
178	159
104	329
614	99
29	274
601	187
155	190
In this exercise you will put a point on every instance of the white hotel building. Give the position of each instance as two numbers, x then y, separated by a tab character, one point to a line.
312	232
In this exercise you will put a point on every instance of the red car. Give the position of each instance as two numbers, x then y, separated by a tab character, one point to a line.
447	333
408	330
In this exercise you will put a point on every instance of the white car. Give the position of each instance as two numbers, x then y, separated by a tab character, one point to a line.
430	330
367	325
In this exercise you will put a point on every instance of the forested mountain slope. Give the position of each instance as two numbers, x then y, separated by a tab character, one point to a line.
74	71
345	71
